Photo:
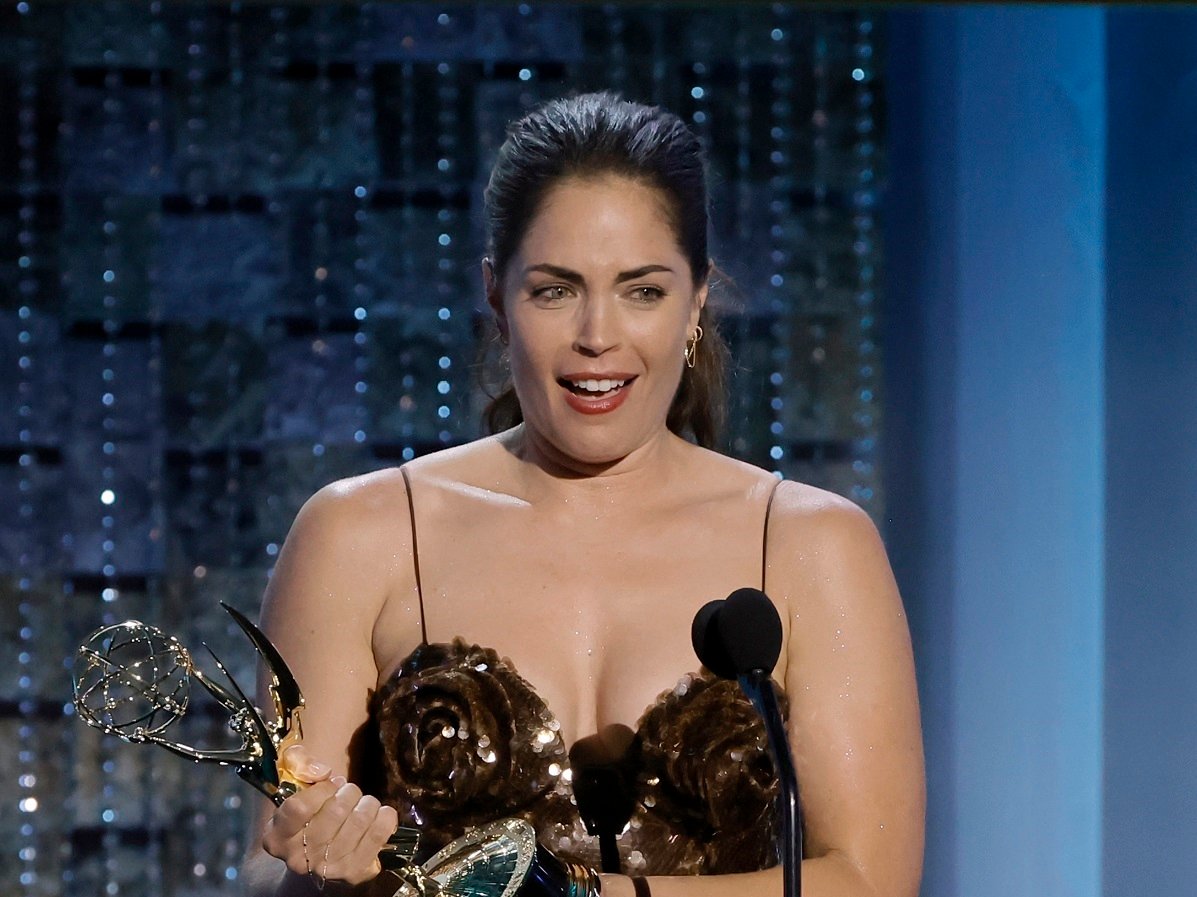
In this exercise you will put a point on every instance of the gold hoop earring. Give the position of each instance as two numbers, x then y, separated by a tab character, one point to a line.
691	350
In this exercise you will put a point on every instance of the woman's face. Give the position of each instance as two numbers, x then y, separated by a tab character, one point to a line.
597	304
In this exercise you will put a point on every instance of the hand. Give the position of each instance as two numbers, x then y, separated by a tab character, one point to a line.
328	830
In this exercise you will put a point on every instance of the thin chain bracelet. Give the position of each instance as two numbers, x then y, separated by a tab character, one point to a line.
324	869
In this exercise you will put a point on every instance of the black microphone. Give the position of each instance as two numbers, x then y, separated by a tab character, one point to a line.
740	638
737	635
606	799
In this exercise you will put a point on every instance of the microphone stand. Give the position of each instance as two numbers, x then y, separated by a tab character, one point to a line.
758	686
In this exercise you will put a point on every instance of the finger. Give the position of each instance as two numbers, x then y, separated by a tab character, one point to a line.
333	813
365	856
360	830
355	826
298	763
298	810
354	814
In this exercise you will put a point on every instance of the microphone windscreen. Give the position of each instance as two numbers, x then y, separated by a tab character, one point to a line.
605	796
708	642
749	630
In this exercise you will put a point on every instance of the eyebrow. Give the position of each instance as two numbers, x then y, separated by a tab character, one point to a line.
574	277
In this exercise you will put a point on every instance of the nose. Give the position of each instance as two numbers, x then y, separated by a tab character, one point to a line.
597	327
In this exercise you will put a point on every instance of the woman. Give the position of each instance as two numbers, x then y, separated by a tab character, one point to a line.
577	543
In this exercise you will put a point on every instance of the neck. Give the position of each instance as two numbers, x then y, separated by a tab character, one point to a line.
648	468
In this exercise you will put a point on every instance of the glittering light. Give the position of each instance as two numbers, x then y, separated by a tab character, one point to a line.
864	250
108	497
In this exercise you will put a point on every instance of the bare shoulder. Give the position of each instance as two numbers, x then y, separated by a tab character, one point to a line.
727	478
343	538
797	510
825	551
373	500
808	512
365	494
461	465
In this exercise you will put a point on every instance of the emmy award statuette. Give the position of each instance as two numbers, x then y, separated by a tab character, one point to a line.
134	681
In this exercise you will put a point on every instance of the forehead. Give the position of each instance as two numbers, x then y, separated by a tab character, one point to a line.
600	220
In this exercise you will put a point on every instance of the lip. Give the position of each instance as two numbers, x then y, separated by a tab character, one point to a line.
599	405
597	375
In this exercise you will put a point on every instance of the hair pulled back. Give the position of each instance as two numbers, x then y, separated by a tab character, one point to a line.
598	134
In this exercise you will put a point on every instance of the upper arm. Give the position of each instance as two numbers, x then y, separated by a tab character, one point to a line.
854	717
347	553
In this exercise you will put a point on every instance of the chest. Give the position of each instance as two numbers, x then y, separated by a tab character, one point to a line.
592	607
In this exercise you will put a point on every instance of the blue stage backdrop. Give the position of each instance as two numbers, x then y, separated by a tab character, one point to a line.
239	258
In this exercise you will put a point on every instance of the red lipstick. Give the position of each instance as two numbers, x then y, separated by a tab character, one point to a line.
603	403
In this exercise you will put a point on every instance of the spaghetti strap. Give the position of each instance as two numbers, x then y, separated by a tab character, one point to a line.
415	551
765	535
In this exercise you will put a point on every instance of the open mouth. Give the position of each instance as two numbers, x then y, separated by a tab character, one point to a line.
594	389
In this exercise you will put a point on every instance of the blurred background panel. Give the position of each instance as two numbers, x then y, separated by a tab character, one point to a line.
240	253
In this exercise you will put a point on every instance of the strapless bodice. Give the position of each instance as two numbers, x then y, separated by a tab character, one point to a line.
463	739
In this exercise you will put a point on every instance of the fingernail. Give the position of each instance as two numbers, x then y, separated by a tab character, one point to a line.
319	769
339	780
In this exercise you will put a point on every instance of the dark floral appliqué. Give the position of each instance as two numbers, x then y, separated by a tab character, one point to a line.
708	776
465	740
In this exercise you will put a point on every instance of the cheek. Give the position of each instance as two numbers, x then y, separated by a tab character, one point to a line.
529	352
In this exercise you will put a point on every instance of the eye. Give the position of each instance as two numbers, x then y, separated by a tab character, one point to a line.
552	293
647	294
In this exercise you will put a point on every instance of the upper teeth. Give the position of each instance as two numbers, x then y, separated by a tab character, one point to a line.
598	385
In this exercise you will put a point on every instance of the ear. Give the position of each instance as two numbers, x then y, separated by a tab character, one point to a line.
700	300
494	296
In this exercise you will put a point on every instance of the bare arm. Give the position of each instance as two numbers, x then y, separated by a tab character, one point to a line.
342	560
854	720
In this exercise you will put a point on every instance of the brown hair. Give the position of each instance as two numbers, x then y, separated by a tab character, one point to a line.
595	134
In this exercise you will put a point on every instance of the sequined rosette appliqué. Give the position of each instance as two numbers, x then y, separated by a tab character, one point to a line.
465	740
